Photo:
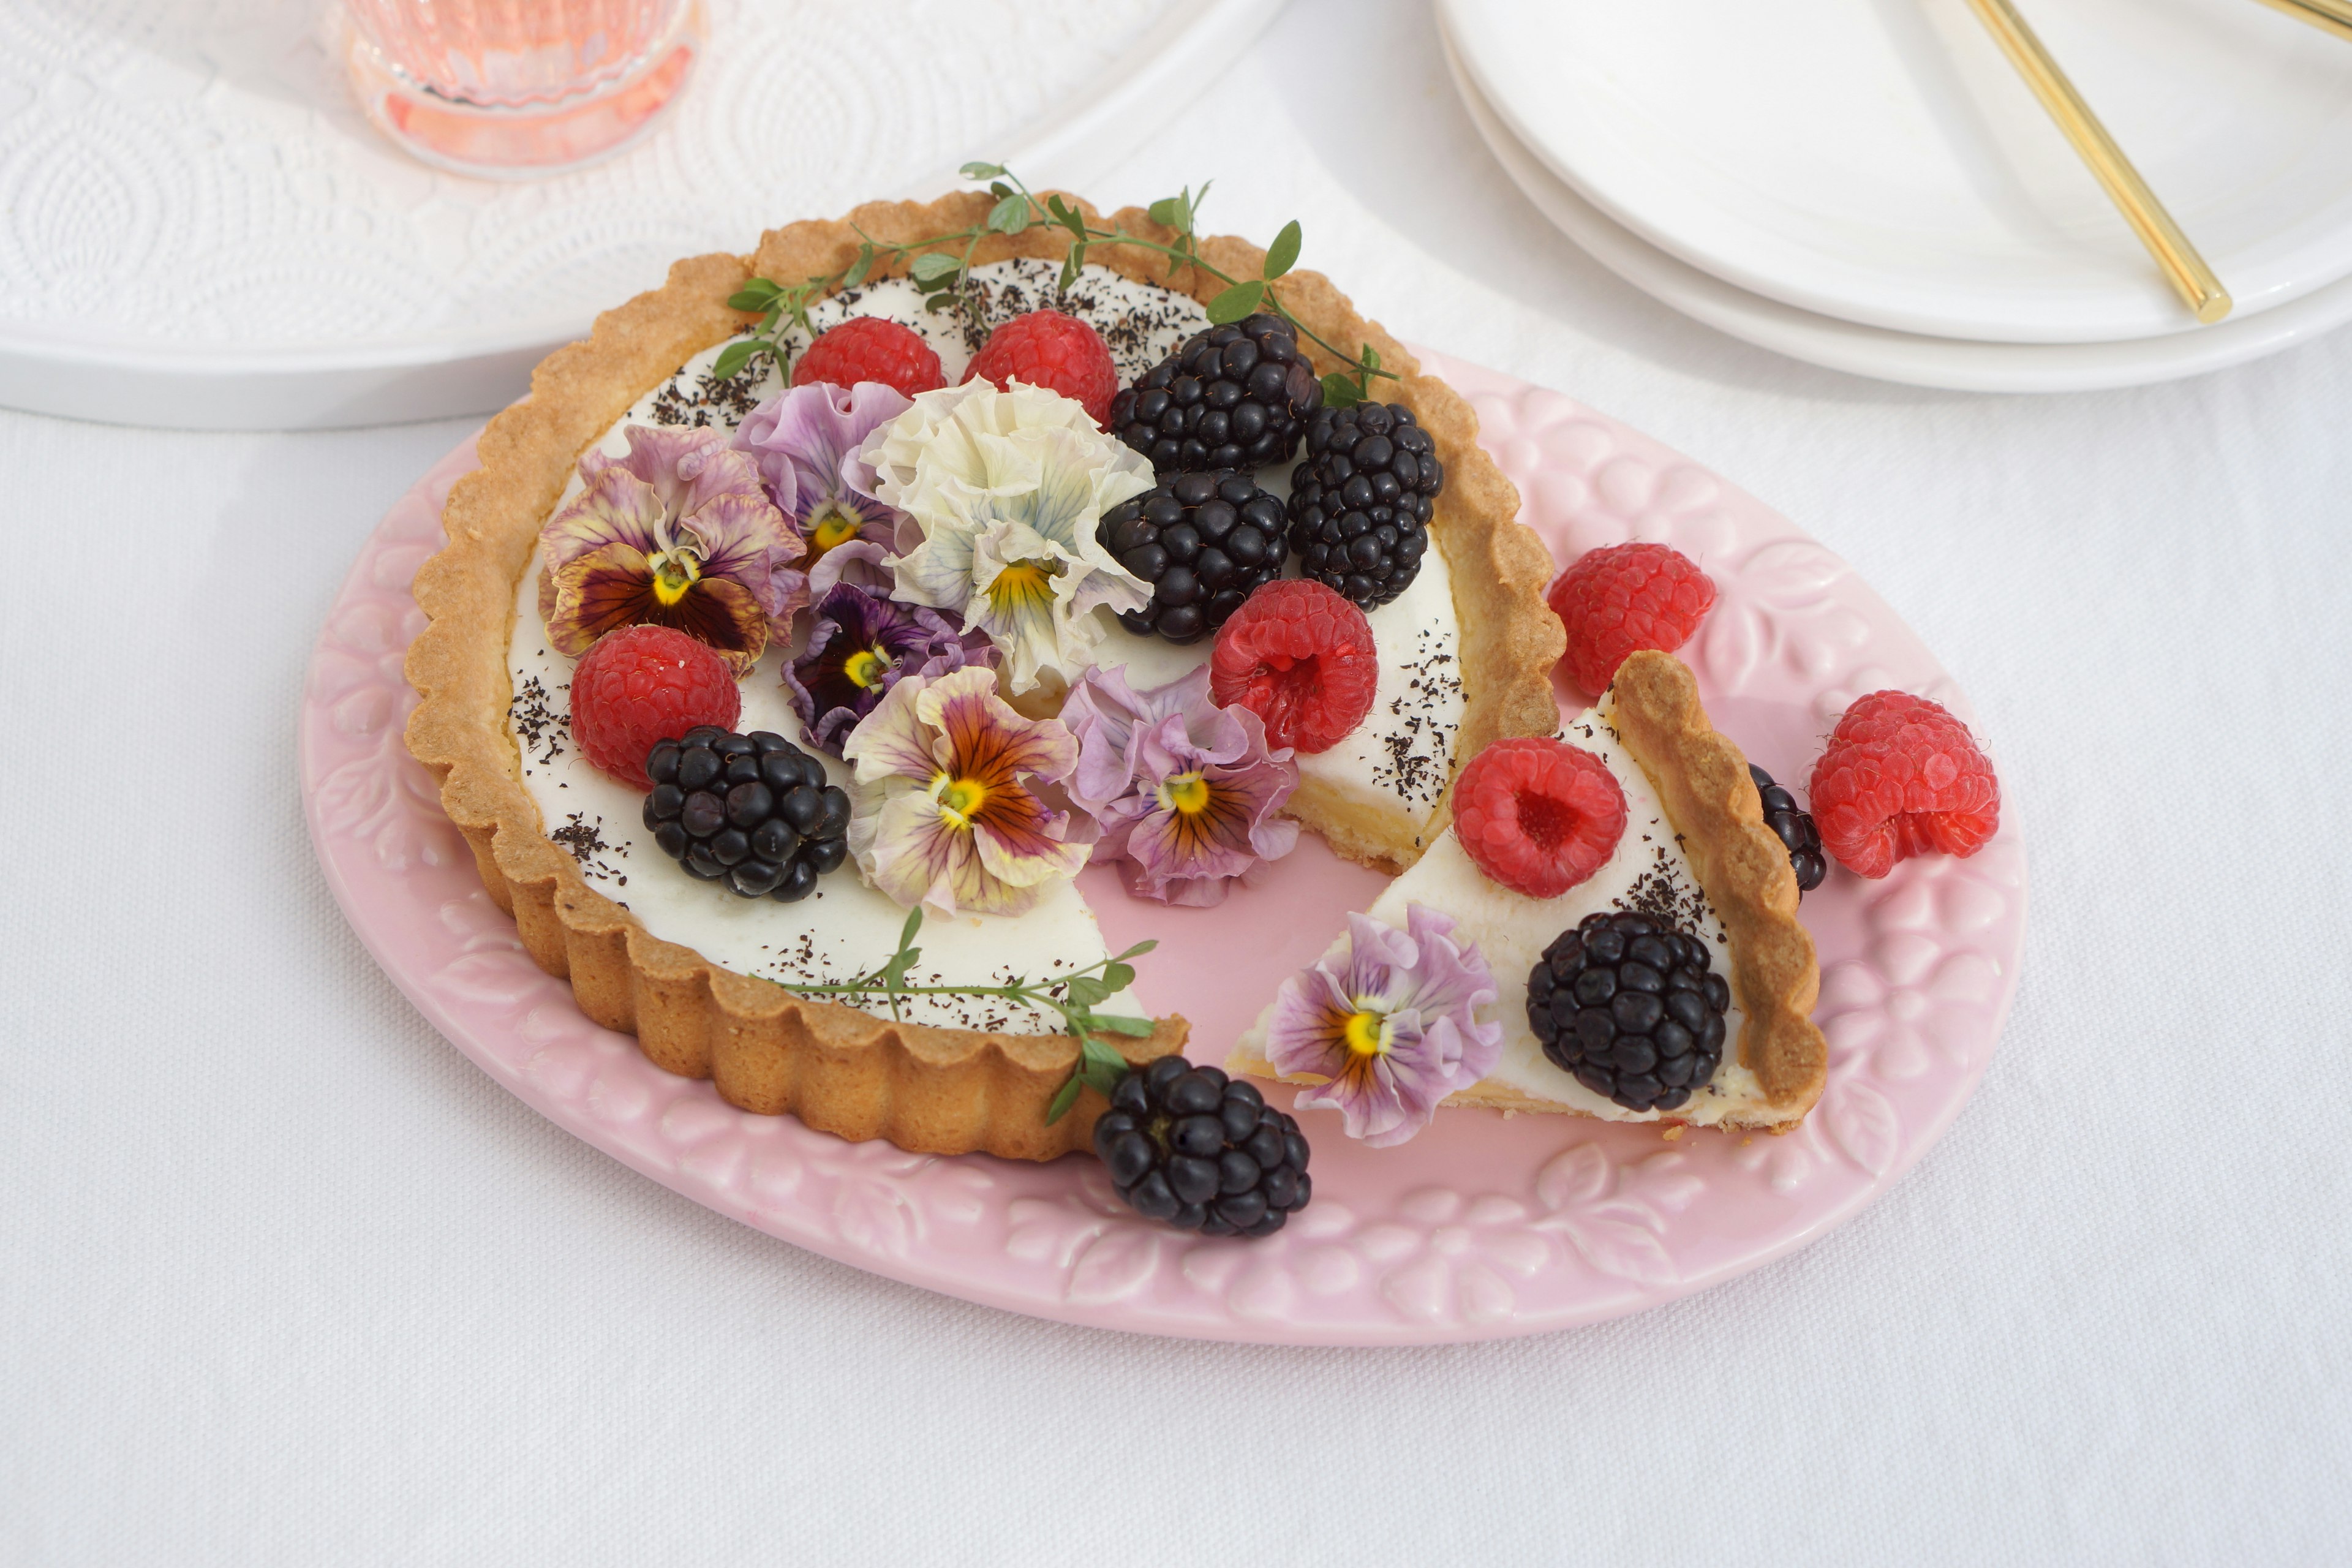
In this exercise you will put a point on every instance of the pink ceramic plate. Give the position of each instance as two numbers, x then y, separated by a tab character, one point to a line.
1483	1226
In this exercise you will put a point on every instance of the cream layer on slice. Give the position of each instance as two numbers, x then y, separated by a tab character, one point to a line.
1648	871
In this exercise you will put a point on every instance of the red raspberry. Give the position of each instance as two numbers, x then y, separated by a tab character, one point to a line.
871	348
1902	776
1625	597
642	684
1538	816
1047	349
1300	656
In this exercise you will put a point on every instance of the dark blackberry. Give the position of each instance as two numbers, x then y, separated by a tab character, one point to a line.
1794	825
1202	1151
1203	542
750	811
1229	397
1628	1003
1360	504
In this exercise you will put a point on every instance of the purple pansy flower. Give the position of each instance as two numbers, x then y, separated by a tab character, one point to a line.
804	440
860	644
1389	1023
945	807
680	534
1185	791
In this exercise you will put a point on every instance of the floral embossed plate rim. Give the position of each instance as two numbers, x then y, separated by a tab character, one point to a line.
1484	1226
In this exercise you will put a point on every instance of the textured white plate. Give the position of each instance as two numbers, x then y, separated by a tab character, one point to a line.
1876	352
197	229
1878	160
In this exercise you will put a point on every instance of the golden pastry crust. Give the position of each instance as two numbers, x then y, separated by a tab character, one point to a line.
837	1069
1742	867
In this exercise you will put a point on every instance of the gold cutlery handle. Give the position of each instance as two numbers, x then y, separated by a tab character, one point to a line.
2327	15
2178	258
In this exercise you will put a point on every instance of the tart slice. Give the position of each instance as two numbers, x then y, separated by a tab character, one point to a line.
701	980
1694	865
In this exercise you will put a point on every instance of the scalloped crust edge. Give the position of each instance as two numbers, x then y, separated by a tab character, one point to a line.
1702	781
841	1070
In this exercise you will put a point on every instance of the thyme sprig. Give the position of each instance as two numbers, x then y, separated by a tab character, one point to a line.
1074	996
940	269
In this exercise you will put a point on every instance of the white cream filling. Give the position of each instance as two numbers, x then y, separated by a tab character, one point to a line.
1399	760
1648	870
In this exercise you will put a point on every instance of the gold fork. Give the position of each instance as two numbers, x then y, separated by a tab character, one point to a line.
2174	256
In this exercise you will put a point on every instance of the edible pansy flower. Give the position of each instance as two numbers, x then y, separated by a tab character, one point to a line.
1003	490
860	644
944	805
1185	791
679	533
1389	1024
804	440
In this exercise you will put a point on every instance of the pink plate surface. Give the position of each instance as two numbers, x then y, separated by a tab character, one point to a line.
1482	1226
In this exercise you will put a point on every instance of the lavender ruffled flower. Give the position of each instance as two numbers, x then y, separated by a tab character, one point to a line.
1389	1023
803	441
860	644
1185	792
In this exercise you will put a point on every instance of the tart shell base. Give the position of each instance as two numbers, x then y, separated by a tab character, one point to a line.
925	1090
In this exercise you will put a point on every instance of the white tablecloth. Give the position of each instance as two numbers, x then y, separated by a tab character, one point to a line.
283	1278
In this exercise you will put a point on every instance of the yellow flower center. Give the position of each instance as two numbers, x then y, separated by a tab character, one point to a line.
675	571
1366	1034
1024	586
1187	793
959	799
866	668
832	525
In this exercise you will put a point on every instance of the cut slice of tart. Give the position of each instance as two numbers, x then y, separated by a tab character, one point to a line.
1695	855
563	848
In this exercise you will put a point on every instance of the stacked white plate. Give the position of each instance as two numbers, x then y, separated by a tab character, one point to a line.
1867	184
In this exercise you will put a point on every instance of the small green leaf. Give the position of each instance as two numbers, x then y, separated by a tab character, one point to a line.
1114	1022
936	264
1000	190
1339	391
1193	200
1117	976
1084	990
735	356
1100	1054
1063	1098
1283	254
756	295
1100	1078
859	267
1010	215
914	924
1140	948
978	171
1235	302
1371	357
1163	213
1070	265
1069	217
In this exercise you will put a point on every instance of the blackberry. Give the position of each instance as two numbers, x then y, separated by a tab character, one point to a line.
1627	1003
1794	825
1202	1151
1360	504
751	811
1229	397
1204	542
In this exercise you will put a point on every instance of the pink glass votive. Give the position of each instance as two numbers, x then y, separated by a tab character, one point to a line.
514	88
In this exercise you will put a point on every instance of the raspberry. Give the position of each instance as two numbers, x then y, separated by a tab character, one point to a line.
1538	816
871	348
1058	353
1901	778
1300	656
1625	597
642	684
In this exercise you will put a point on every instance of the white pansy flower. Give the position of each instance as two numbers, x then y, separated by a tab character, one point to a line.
1003	491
